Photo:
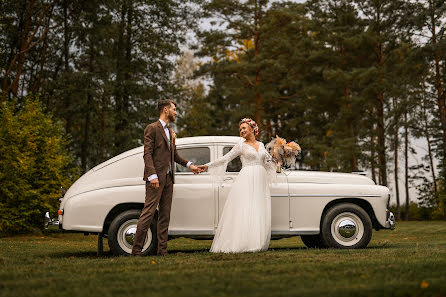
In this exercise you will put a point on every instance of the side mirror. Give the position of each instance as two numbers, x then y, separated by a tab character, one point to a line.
62	192
48	219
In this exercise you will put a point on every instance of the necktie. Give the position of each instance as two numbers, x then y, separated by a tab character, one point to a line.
170	163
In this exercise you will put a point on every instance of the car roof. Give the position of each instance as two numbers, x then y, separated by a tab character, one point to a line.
179	142
207	139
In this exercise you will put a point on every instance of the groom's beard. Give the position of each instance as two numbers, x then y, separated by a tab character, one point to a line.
171	118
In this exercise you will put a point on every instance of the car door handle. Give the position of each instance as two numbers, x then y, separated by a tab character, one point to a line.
228	178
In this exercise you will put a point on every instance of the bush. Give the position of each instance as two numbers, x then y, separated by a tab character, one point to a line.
416	212
34	164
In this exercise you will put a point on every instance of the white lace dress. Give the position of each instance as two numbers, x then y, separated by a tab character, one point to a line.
245	224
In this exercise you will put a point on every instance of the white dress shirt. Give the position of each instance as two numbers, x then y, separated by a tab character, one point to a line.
166	130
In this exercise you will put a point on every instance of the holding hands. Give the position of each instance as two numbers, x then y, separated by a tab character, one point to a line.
154	183
198	169
202	168
194	169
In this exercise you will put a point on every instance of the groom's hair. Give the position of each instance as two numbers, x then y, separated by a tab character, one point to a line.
164	103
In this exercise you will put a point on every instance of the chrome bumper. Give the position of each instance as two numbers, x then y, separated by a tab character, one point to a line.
390	222
50	223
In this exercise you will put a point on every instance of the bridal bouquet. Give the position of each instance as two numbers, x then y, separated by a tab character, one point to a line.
283	152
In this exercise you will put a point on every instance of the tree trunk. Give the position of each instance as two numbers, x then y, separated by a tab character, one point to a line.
85	142
66	48
14	86
12	57
127	74
120	83
396	145
348	121
102	142
66	63
25	47
381	148
382	162
406	163
429	145
256	53
38	79
372	147
353	160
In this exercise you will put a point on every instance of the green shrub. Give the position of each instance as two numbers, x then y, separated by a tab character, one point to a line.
416	212
34	164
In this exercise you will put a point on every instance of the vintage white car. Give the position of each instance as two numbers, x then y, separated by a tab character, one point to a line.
326	209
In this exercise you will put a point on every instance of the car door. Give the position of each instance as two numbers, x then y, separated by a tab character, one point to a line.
280	201
194	202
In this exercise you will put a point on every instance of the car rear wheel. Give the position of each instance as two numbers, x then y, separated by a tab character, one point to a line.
313	241
346	226
122	231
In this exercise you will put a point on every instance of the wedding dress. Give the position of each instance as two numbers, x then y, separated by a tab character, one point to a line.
245	223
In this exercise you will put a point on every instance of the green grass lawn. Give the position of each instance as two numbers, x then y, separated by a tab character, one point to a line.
409	261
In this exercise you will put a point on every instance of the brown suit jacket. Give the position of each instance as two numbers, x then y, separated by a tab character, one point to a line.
158	152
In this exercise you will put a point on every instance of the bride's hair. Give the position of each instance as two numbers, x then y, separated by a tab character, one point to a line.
251	124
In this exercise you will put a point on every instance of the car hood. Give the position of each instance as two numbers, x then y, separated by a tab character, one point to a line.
320	177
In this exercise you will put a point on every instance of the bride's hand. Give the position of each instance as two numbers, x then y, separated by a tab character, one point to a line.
202	168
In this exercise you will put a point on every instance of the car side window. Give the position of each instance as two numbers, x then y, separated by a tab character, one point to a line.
197	155
235	165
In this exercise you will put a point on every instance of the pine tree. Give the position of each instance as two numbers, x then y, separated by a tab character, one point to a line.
343	30
430	15
99	66
235	48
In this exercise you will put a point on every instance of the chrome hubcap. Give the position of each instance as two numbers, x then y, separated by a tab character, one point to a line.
130	235
347	228
126	235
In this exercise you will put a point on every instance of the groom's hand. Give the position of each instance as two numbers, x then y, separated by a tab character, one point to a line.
154	183
193	168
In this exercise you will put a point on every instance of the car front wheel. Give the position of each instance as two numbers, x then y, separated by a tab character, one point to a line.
346	226
122	231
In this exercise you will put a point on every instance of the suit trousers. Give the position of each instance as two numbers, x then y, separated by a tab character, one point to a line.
154	197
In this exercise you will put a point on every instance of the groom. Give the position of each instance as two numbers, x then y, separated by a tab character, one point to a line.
159	156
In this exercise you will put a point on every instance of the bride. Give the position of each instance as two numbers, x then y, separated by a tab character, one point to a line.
245	224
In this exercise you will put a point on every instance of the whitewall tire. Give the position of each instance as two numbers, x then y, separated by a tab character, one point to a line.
122	231
346	226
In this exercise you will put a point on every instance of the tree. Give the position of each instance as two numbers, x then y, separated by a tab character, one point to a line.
430	15
384	23
194	111
433	14
101	67
341	29
34	164
240	33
